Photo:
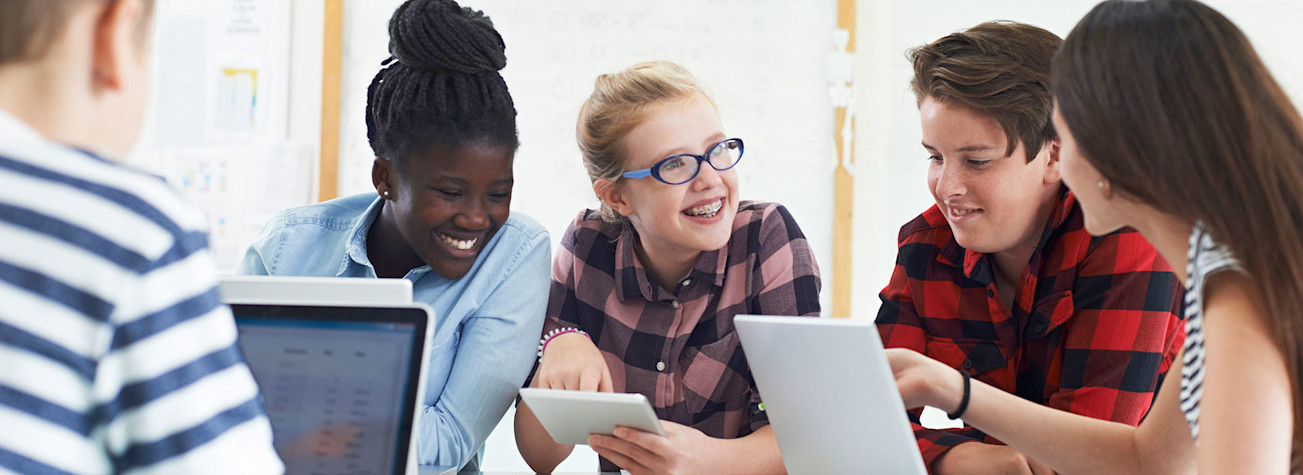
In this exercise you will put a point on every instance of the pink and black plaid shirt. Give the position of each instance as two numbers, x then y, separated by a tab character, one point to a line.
678	346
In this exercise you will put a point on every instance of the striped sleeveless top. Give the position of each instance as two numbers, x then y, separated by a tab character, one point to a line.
1206	258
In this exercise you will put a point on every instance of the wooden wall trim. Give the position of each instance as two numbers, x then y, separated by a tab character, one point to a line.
332	57
844	187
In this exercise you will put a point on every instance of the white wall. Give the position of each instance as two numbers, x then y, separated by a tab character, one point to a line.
307	25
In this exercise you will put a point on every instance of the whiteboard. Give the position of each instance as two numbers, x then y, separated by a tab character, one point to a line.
765	63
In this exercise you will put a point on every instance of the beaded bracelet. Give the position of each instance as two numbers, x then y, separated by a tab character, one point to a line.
542	343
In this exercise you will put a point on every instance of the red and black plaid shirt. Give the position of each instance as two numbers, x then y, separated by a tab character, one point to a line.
678	346
1095	320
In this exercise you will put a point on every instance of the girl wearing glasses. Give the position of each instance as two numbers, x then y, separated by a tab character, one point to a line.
644	290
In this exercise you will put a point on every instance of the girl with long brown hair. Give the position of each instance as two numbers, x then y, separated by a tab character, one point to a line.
1170	123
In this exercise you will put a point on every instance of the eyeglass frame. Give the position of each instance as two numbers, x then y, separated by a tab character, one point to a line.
654	172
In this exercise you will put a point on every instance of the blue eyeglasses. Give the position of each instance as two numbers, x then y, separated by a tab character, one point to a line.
683	168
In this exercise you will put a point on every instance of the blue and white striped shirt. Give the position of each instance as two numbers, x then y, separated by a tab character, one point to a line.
116	353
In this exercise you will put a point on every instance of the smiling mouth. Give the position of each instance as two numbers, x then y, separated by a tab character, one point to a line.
462	244
959	213
705	211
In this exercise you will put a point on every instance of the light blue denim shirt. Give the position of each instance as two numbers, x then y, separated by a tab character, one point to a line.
487	322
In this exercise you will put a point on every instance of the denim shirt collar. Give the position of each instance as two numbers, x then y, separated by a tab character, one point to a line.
357	244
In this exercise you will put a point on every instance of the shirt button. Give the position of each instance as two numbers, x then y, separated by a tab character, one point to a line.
686	282
989	293
968	364
674	303
660	366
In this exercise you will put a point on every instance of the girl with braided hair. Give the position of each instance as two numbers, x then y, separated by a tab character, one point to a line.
443	127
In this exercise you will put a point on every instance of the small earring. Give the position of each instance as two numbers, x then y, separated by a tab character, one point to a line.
1105	189
1101	187
385	193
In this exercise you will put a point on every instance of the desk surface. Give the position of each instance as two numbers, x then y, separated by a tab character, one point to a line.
441	470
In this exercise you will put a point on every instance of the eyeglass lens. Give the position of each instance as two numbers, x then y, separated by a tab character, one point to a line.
682	168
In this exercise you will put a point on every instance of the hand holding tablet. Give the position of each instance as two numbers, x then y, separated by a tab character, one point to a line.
570	416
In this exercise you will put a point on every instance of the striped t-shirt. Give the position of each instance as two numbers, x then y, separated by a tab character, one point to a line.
116	354
1206	258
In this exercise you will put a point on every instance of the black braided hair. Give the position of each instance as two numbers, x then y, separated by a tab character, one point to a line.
440	86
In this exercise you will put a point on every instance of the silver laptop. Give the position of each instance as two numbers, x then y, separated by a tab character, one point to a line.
830	395
316	290
342	385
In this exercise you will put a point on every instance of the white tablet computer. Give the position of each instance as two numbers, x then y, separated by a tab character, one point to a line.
830	395
570	416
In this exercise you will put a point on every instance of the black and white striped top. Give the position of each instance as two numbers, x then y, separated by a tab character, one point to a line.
1206	258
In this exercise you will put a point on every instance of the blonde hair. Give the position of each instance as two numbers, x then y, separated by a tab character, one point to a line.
619	103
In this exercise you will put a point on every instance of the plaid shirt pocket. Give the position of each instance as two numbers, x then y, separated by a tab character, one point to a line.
1048	312
973	355
715	375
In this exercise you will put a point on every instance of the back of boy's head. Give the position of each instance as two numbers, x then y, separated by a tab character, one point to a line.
998	68
28	28
440	86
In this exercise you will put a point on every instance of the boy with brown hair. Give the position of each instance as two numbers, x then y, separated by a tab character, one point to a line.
1000	279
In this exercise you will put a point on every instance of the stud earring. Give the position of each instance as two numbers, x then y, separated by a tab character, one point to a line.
1101	187
1105	188
386	193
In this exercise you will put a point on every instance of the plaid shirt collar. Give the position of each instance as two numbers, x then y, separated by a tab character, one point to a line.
977	265
634	280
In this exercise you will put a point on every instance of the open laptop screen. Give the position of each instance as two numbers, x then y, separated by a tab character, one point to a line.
340	384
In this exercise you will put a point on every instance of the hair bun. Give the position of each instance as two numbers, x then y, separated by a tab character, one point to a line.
437	35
